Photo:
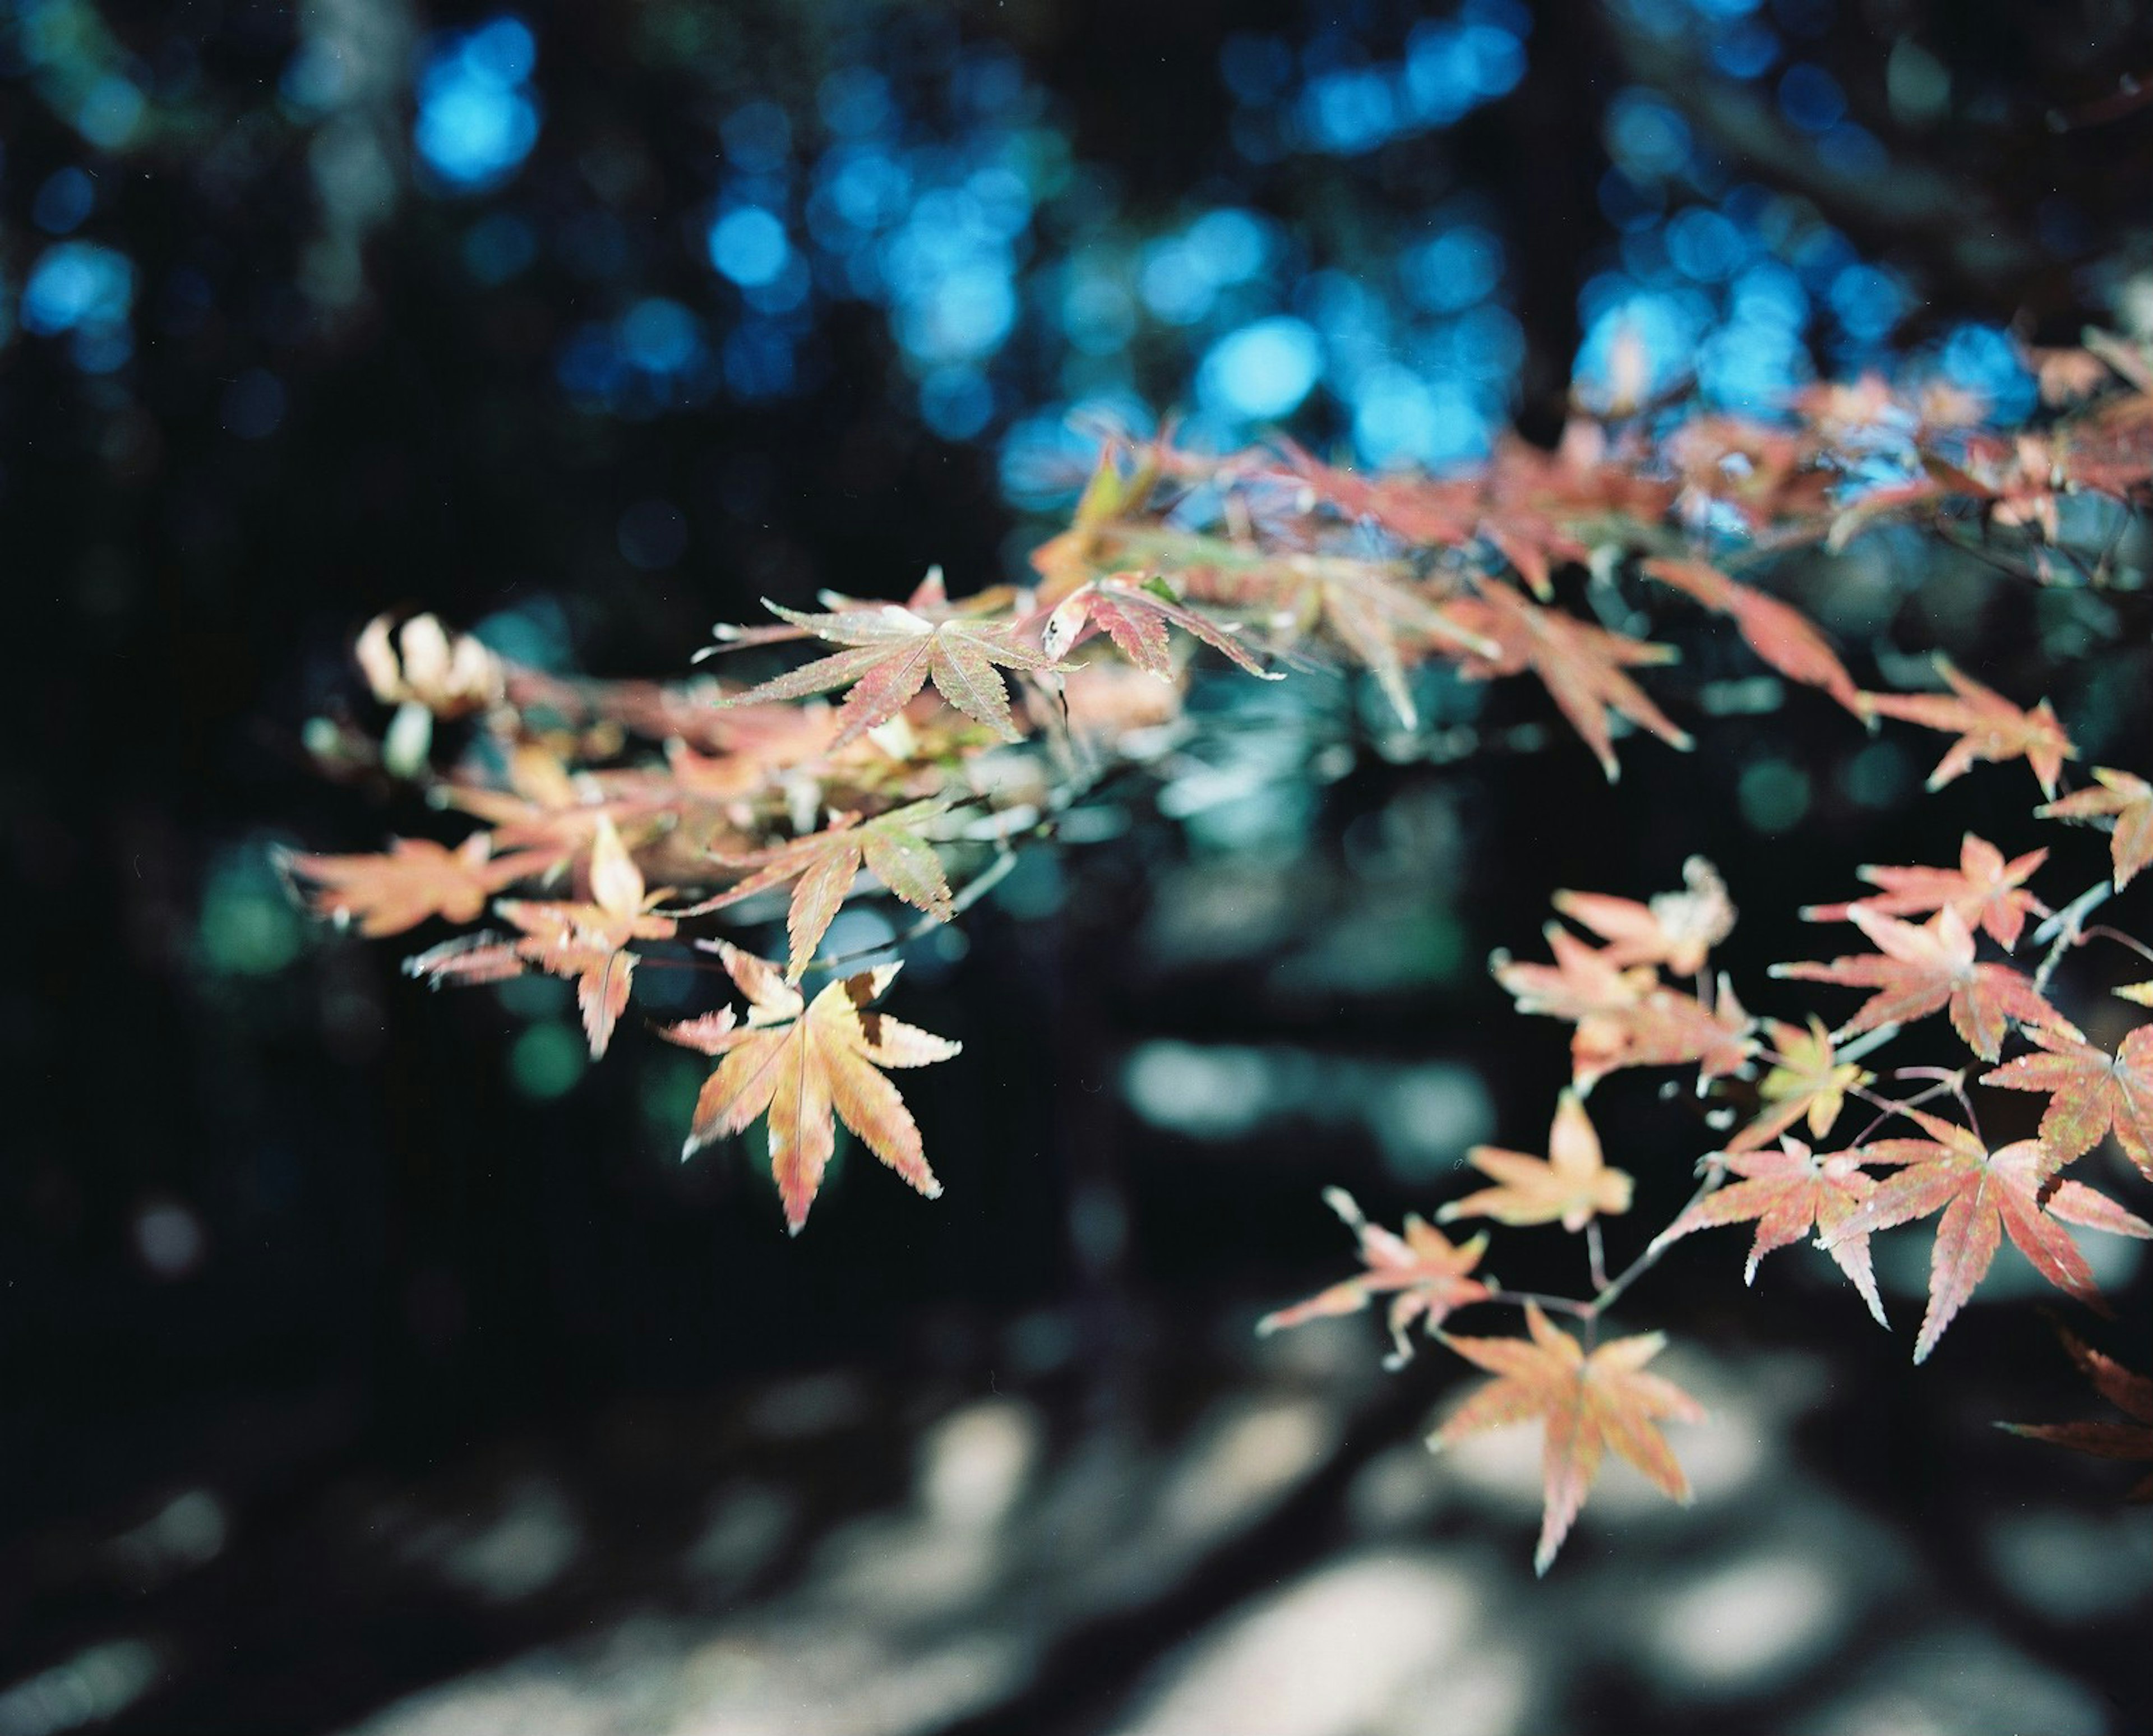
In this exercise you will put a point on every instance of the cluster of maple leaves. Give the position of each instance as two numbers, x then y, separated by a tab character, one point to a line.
928	735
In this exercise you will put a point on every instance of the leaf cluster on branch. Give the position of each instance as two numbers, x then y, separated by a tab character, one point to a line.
924	741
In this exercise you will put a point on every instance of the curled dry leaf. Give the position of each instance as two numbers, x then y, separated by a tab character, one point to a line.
1588	1403
1677	929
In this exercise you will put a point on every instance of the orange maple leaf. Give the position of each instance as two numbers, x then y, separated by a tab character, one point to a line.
1666	1028
1989	727
1588	1403
2131	1394
1572	1184
586	942
2127	803
1984	1195
2091	1091
1581	666
893	651
1422	1272
1919	970
1987	891
807	1065
417	879
1807	1082
1785	1193
824	864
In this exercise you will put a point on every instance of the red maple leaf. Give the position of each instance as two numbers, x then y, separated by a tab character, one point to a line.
1778	632
1984	1196
1589	1403
1988	892
1917	971
2089	1090
1422	1272
1988	726
2131	1394
1786	1193
1581	666
2127	803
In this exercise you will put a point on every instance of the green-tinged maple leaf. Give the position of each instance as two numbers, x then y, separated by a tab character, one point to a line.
1989	727
1135	615
1988	893
1571	1185
1674	928
807	1065
2131	1394
1785	1193
1984	1196
417	879
1918	971
1808	1082
891	845
1588	1402
2126	803
586	942
1778	632
1581	666
1422	1272
2091	1091
893	651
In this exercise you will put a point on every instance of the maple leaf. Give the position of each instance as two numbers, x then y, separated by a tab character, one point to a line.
1581	666
1666	1028
417	879
1571	1185
1583	983
801	1063
1808	1083
2125	801
586	943
1989	727
893	651
1988	892
1784	1193
1778	632
1674	928
825	863
1422	1272
2091	1091
1624	1015
2131	1394
1135	613
1588	1403
1984	1195
1918	971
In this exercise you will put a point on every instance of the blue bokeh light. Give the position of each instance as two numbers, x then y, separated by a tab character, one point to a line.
477	118
1262	371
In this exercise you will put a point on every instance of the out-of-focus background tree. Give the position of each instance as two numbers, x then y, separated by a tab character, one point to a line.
365	1358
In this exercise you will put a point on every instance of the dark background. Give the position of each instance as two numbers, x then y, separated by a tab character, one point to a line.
287	1237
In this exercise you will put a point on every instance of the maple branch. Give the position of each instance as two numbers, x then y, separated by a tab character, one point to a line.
1715	1173
2067	925
1596	1255
977	888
